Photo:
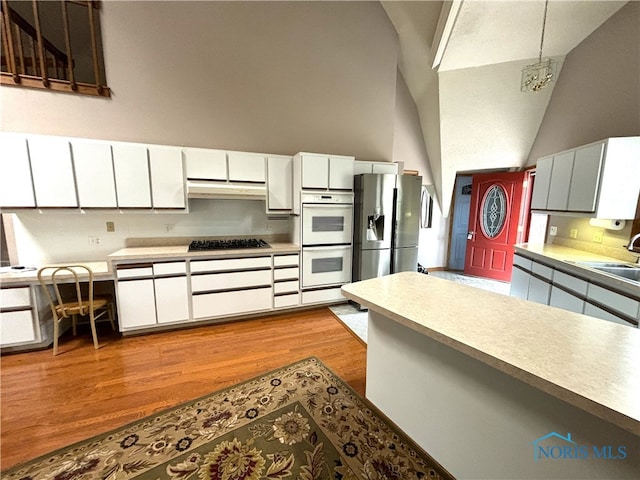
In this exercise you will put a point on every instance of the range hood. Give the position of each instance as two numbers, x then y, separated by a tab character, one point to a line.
240	191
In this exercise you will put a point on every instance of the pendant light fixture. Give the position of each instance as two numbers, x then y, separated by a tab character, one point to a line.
537	76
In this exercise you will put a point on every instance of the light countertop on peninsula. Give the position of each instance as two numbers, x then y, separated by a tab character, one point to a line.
587	362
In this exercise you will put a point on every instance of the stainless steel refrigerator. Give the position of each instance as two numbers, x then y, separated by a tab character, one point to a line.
386	224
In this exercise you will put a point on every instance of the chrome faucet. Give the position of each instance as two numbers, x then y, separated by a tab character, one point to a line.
631	245
632	242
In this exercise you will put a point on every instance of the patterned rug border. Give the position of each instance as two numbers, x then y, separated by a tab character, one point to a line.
311	359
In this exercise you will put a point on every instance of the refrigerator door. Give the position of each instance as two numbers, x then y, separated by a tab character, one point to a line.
371	264
373	211
404	260
407	211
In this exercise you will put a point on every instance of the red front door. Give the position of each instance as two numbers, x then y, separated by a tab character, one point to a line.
497	221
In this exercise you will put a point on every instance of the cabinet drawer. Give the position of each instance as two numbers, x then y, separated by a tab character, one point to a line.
229	303
286	273
169	268
542	270
229	264
594	311
318	296
16	327
15	297
286	300
134	272
286	287
569	281
523	262
618	302
225	281
286	260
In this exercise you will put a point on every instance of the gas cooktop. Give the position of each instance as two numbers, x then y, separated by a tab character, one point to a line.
199	245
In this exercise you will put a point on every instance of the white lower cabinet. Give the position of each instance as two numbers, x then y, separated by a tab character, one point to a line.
16	316
136	303
519	283
539	290
286	281
172	299
321	296
231	303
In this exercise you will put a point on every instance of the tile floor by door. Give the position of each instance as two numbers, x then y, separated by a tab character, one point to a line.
356	320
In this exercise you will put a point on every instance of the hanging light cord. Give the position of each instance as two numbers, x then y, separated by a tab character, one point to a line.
544	22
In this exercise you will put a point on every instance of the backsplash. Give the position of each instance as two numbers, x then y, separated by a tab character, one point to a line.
611	244
62	236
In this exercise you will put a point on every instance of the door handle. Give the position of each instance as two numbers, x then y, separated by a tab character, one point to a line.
471	235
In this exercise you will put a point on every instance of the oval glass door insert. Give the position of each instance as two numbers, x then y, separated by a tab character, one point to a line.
493	211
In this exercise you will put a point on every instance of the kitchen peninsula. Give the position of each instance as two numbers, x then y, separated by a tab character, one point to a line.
488	384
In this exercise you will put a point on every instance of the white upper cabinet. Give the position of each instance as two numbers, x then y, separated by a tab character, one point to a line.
315	171
322	172
279	183
246	167
597	180
167	177
52	172
384	167
131	166
340	172
94	174
16	189
205	164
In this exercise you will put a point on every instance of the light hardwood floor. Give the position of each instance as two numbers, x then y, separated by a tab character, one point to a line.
49	402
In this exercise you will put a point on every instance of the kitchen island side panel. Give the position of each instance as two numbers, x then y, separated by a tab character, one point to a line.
481	423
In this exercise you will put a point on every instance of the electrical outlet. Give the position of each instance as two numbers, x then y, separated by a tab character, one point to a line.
95	240
111	227
169	227
553	230
597	237
573	233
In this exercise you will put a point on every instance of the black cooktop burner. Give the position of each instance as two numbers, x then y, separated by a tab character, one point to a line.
198	245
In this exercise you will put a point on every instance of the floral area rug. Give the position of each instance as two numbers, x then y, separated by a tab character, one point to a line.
300	422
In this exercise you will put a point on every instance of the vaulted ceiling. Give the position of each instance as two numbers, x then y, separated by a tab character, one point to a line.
462	61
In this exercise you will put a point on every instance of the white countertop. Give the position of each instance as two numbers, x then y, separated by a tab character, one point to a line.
587	362
101	271
182	252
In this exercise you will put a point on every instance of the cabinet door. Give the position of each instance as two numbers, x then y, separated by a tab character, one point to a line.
246	167
585	178
315	171
94	174
16	327
561	299
542	181
136	304
172	299
385	167
205	164
16	189
519	284
594	311
131	166
539	291
362	167
279	186
52	172
560	181
167	177
341	173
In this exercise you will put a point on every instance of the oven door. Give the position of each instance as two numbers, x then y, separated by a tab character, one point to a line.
326	224
322	266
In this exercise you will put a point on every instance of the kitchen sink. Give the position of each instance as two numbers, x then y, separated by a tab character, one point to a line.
626	271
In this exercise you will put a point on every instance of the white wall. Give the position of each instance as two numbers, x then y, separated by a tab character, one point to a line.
275	77
58	236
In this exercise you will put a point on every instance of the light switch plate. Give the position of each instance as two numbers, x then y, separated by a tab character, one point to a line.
573	233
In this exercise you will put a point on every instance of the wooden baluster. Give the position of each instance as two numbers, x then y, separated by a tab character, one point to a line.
34	56
20	51
67	41
41	53
11	59
94	48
